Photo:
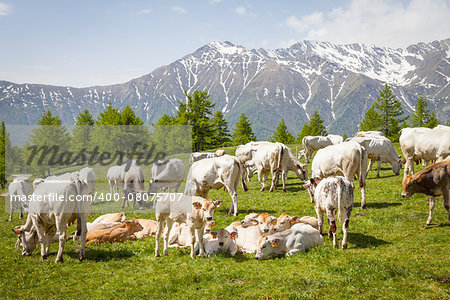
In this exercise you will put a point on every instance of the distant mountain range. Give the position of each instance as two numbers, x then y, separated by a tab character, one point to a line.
340	81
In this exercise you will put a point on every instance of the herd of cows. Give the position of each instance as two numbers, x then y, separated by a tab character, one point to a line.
330	187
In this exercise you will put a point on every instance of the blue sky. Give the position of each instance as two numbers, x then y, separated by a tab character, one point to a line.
98	42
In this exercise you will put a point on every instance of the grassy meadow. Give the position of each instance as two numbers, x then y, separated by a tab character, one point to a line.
391	254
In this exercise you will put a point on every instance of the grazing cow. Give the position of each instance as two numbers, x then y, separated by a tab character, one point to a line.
196	156
87	175
18	191
37	181
346	159
245	153
201	212
251	229
432	181
381	151
148	228
220	152
114	178
284	222
168	177
313	143
299	237
330	195
424	143
214	173
133	183
221	242
47	217
119	233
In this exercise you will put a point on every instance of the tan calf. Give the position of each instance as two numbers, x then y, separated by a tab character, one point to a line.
119	233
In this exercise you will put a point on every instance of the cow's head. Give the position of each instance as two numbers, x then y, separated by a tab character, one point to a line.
396	166
133	225
209	225
265	223
409	185
284	222
311	185
27	239
249	220
206	208
301	153
224	237
301	170
268	246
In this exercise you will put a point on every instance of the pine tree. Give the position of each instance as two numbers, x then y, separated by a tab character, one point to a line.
128	117
111	116
282	135
243	132
390	112
304	132
421	117
166	120
433	121
344	137
2	155
221	134
82	131
371	121
316	126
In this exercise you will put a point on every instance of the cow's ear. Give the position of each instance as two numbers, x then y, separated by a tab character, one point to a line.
275	242
312	181
17	230
197	205
128	224
213	223
217	203
294	220
214	234
234	235
274	221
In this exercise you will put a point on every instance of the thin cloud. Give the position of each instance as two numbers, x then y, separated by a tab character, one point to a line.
144	11
179	9
379	22
241	10
5	9
215	1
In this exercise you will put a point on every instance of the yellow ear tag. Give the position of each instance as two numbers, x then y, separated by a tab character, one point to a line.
274	222
274	245
197	205
293	221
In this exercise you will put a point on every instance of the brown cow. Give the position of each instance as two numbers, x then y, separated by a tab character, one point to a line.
119	233
432	181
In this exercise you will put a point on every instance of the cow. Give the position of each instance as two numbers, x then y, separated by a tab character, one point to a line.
313	143
285	222
37	181
133	184
18	191
251	229
114	178
196	156
119	233
299	237
148	228
346	159
87	175
369	133
330	195
245	153
169	176
48	217
432	181
424	143
381	151
112	217
214	173
201	211
222	241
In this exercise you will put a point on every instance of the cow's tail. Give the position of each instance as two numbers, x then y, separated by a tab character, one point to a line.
362	166
339	195
280	156
241	174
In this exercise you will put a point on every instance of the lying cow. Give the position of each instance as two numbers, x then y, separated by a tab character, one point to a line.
119	233
346	159
167	175
106	221
299	237
284	222
148	228
432	181
221	242
214	173
180	235
330	195
18	191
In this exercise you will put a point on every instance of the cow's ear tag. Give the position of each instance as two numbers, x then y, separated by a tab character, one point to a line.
274	222
214	234
233	235
274	244
197	205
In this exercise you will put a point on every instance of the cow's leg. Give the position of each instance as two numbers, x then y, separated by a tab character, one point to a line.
260	179
61	230
319	219
169	224
292	252
21	212
82	219
12	210
159	227
234	206
345	225
125	196
177	187
369	167
430	216
446	202
363	196
378	168
199	239
332	224
192	232
307	156
275	175
111	187
283	179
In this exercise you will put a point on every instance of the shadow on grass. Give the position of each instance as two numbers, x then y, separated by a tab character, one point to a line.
439	226
244	212
381	177
364	241
377	205
102	254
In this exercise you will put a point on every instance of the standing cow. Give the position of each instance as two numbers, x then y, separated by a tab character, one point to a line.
313	143
18	191
167	175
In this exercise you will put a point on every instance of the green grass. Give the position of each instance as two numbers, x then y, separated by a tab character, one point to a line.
391	254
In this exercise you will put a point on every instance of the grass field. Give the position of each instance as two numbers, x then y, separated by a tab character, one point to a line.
391	254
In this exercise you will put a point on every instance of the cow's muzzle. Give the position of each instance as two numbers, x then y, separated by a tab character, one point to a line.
209	219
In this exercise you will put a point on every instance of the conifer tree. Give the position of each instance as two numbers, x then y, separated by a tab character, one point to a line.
282	135
82	131
243	132
371	121
390	112
221	134
316	126
422	117
304	132
2	155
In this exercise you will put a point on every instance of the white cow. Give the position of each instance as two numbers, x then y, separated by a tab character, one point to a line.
369	133
381	151
114	178
245	153
424	143
330	195
313	143
87	175
18	191
171	175
47	217
223	241
201	211
346	159
37	181
214	173
299	237
196	156
133	184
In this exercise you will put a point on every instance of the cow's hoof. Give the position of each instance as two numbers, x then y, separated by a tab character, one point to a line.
59	260
9	220
428	224
43	258
344	246
363	206
284	191
157	255
81	258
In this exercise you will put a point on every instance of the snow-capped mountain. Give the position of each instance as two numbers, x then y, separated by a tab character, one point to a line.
340	81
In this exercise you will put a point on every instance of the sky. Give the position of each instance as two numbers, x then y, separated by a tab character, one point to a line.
100	42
